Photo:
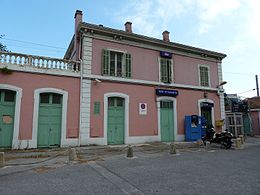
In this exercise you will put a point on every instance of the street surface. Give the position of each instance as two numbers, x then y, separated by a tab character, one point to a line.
190	171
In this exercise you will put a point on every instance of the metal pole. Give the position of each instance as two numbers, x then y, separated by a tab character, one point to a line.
257	88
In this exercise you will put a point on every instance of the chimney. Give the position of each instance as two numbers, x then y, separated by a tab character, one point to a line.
128	27
78	20
166	36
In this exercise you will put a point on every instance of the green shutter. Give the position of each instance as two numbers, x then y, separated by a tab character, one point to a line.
169	66
105	62
128	68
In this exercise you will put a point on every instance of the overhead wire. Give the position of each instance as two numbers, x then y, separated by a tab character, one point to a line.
239	73
50	50
28	42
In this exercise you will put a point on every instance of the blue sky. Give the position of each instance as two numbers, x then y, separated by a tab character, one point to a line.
45	27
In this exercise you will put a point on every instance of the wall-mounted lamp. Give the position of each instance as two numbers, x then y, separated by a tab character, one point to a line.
221	90
221	84
97	80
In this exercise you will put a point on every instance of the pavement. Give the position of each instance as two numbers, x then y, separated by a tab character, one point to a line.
17	160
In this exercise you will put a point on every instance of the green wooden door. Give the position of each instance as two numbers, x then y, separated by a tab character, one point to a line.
166	117
206	112
7	109
116	121
49	122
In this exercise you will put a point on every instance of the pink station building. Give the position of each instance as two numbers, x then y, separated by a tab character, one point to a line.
112	87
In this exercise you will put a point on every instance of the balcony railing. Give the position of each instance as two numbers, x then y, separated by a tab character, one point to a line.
9	58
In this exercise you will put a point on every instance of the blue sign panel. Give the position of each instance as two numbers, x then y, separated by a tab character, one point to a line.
166	92
165	54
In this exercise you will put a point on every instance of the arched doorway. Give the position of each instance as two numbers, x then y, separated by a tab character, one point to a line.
49	120
206	109
7	117
167	118
116	120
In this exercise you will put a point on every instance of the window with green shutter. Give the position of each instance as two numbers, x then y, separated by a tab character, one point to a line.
116	64
166	70
204	76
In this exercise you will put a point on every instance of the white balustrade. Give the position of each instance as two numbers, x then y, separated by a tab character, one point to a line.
42	62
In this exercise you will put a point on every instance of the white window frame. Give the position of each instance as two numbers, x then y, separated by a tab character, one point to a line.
124	52
206	66
172	70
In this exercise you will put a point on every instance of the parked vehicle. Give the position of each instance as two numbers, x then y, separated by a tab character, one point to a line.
224	138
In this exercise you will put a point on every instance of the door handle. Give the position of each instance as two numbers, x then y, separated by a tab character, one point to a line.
50	129
0	129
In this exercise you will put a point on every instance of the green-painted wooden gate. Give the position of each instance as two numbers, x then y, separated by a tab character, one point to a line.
206	112
49	122
7	110
116	121
166	117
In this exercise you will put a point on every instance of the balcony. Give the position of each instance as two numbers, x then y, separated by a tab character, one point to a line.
39	64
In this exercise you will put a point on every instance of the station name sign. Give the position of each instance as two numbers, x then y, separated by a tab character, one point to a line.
166	92
165	54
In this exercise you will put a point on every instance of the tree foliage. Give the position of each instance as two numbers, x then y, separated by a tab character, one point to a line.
2	46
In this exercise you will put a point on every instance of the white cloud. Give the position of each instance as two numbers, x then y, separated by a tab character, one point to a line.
210	11
253	19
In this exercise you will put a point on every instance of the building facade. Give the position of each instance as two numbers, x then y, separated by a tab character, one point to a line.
137	89
112	87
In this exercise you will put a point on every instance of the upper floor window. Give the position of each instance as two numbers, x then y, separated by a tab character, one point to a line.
116	64
165	70
204	76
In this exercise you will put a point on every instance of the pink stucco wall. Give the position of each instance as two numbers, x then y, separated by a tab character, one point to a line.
187	104
29	82
138	124
255	122
186	70
145	64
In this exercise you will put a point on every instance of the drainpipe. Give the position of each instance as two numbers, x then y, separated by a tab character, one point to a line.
80	90
80	100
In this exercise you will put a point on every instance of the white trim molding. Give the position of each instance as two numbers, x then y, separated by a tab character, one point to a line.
212	109
37	92
146	82
126	98
158	100
15	142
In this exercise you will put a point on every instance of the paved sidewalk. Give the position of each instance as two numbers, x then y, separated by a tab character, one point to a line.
39	157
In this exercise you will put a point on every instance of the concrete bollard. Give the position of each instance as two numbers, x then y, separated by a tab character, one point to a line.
242	139
172	148
130	152
199	143
238	143
207	145
72	154
2	159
